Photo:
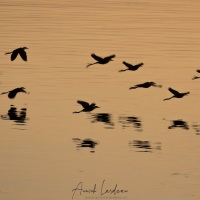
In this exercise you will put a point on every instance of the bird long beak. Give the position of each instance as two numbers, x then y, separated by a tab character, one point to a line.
157	85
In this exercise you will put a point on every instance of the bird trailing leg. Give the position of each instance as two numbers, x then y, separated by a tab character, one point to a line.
123	70
91	64
168	98
4	93
77	111
133	87
8	53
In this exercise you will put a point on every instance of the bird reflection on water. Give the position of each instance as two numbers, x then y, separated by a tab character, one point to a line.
127	121
17	116
102	117
179	124
196	127
144	146
86	143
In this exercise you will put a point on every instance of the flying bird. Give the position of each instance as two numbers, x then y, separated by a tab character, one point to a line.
21	51
145	85
198	70
12	93
176	94
101	60
131	67
86	106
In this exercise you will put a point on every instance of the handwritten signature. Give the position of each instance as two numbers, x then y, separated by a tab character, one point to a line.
111	191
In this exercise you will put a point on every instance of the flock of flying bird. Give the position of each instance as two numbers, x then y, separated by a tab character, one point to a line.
19	51
99	60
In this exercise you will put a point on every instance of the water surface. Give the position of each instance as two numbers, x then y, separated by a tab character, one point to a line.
133	139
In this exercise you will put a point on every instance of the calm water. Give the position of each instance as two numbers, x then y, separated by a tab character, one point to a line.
135	140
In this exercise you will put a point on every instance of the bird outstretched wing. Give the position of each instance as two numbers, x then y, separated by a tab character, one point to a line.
174	92
14	55
23	55
138	65
127	64
133	67
109	57
83	103
97	58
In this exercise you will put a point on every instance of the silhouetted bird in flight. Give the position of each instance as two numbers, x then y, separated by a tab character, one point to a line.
131	67
176	94
145	85
13	93
198	70
86	106
20	51
101	60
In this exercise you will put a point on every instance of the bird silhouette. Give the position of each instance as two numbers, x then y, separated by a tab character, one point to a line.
86	106
198	70
131	67
176	94
20	51
101	60
12	93
145	85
